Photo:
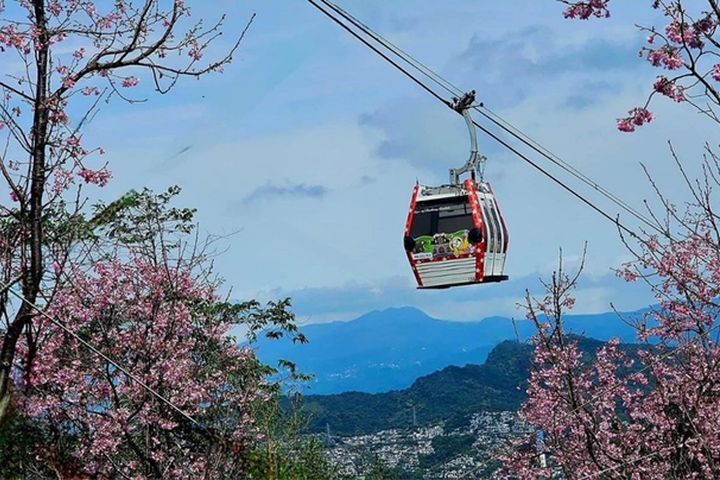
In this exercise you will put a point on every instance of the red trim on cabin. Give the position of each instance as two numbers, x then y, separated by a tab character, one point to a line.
408	228
478	221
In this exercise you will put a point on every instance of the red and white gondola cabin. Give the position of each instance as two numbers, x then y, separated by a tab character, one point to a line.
456	235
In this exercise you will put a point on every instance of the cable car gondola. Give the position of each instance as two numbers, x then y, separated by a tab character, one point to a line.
455	234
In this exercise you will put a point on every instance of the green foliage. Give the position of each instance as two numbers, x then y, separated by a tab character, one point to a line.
285	452
379	471
17	441
274	321
138	217
149	222
451	393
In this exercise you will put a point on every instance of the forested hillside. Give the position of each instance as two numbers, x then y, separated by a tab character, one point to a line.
451	394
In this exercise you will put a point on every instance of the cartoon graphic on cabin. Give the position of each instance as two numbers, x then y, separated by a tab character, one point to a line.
444	244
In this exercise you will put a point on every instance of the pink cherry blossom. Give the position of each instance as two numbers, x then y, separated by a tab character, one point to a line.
638	117
55	8
130	82
71	52
585	10
139	307
666	56
97	177
716	72
62	181
87	91
685	46
668	88
651	411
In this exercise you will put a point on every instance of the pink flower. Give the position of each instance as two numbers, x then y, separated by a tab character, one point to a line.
683	34
638	117
10	37
129	82
55	8
90	91
97	177
625	125
641	116
716	72
665	87
164	336
63	179
195	53
628	275
666	56
585	10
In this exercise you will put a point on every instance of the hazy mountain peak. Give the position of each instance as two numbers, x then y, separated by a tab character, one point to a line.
388	349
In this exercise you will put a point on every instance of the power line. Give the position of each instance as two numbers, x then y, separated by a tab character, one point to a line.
491	116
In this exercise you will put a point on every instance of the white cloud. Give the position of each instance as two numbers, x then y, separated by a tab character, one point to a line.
288	114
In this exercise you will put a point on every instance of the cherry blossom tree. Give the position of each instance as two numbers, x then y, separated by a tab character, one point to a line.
651	412
127	278
687	48
60	59
149	303
165	325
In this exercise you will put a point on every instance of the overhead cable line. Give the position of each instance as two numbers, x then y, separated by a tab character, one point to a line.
537	147
492	135
489	133
515	132
376	50
399	52
484	111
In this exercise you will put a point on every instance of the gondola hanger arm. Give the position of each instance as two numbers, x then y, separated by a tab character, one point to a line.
474	164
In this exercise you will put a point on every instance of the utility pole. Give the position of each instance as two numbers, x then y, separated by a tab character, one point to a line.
517	335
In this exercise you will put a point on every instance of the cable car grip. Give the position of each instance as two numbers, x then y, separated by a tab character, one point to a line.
462	105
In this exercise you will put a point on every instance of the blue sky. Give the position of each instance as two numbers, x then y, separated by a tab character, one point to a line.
307	147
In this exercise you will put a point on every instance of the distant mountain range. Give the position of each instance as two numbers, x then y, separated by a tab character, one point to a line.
450	395
387	350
